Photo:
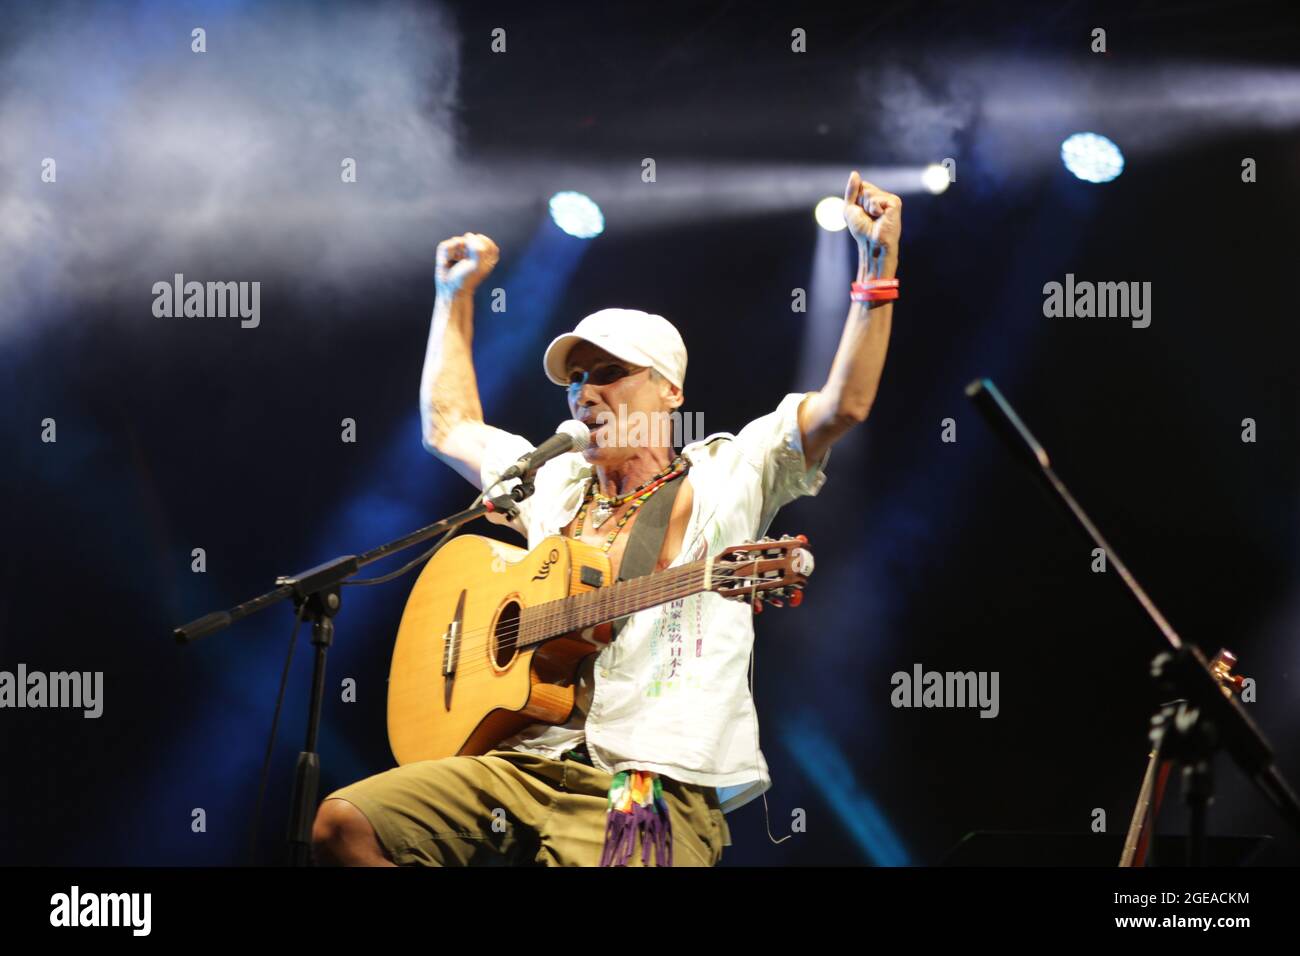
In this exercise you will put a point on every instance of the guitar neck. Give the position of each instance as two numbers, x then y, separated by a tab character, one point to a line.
541	622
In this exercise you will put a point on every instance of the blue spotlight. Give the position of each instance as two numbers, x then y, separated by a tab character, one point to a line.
1092	157
822	760
577	215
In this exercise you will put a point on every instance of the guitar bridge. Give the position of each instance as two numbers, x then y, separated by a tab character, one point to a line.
451	651
450	645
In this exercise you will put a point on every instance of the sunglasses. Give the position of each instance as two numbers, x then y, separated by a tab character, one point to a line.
605	374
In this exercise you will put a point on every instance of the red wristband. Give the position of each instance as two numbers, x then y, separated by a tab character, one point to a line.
874	290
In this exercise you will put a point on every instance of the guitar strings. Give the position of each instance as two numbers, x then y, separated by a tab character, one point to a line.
552	619
541	620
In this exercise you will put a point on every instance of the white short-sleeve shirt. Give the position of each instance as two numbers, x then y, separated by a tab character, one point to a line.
671	694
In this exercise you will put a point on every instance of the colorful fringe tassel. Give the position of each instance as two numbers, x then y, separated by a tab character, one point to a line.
636	806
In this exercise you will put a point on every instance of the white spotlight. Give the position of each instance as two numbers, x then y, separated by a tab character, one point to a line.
830	214
935	178
577	215
1092	157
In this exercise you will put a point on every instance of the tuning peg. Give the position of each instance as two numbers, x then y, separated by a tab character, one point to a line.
757	606
796	598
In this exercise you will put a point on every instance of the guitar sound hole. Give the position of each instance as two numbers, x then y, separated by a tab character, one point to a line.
505	639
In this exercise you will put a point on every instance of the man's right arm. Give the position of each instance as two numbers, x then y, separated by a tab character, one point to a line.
451	415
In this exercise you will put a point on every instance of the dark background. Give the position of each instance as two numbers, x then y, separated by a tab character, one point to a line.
176	435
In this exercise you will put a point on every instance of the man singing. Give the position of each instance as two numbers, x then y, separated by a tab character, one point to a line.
663	737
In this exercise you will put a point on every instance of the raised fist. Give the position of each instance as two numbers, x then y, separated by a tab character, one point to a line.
875	219
463	262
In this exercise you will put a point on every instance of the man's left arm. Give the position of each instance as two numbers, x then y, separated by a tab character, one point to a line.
875	220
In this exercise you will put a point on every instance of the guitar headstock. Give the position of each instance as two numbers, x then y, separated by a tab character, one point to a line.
770	570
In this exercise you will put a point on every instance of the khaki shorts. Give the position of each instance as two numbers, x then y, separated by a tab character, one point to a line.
510	808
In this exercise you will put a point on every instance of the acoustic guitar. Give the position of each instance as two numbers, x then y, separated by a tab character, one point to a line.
493	635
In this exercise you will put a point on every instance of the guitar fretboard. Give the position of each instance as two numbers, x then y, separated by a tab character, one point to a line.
553	618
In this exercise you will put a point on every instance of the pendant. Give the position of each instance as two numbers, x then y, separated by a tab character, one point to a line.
601	513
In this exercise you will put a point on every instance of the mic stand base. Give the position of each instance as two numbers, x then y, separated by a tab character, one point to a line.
1185	735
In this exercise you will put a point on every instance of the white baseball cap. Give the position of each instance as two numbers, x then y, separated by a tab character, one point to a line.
629	334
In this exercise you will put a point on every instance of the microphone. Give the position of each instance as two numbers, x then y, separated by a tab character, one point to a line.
572	435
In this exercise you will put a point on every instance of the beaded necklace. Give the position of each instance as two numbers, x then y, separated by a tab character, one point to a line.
638	497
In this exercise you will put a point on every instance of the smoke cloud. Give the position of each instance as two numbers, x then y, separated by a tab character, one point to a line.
166	159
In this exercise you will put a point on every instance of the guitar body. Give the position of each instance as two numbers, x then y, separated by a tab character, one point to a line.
466	605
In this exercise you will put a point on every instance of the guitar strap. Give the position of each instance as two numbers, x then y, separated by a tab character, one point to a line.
647	538
643	546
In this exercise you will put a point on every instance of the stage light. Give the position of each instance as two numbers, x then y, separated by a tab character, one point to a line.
577	215
1092	157
830	214
935	178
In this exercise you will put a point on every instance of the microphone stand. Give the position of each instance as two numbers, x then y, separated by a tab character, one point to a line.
316	597
1191	730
